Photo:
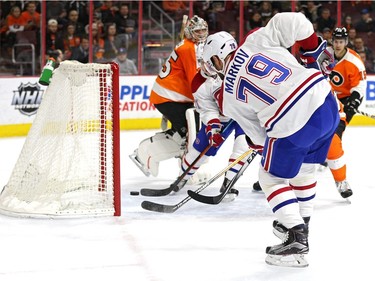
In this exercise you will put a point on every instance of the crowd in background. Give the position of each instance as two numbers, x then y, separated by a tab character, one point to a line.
115	25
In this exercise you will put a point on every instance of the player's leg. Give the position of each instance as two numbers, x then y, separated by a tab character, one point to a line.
163	145
337	162
240	146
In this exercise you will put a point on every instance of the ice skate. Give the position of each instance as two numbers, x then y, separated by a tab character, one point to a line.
344	189
291	251
256	186
138	163
232	193
280	230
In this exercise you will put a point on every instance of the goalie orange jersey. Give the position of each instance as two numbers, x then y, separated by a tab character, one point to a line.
173	83
348	75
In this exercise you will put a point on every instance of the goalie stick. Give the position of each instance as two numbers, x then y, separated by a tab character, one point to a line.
365	114
183	25
161	208
166	191
214	200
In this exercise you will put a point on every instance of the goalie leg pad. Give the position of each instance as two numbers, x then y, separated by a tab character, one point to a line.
162	146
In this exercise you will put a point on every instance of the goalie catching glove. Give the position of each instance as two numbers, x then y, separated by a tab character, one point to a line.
213	132
320	58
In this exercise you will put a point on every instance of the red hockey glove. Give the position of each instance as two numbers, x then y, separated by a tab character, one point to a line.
256	147
213	130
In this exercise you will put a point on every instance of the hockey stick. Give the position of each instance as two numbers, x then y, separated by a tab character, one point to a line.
365	114
183	25
161	208
213	200
166	191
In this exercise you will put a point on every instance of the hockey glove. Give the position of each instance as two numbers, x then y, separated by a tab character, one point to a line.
256	147
319	58
351	107
213	130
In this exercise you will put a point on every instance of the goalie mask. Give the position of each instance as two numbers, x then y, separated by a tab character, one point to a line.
220	44
196	29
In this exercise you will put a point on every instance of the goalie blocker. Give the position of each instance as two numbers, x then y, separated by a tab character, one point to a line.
164	145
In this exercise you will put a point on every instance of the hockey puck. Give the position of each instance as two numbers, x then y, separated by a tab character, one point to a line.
134	193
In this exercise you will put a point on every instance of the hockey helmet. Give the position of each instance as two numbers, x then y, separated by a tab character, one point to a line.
340	33
196	29
219	44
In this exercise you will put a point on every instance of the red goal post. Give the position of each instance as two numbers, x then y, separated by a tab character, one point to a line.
69	165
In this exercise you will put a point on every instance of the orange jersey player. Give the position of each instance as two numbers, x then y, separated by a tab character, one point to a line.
172	96
348	80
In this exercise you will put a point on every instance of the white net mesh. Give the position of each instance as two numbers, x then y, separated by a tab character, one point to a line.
66	165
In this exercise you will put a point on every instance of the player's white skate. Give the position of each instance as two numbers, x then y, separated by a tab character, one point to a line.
139	163
291	252
344	189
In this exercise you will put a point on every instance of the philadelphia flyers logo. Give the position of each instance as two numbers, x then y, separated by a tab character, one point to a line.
336	78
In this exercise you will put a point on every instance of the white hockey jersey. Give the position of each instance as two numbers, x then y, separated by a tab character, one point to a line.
265	89
205	91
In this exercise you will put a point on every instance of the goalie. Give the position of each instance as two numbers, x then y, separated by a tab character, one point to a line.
172	97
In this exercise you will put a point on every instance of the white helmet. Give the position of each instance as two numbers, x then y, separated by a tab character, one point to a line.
219	44
196	29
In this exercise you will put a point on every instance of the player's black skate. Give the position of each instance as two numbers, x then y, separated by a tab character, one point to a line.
232	193
256	186
280	230
344	189
291	251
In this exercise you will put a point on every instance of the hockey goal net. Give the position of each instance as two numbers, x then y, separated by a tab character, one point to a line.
69	164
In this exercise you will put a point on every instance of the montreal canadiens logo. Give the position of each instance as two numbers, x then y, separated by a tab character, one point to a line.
27	98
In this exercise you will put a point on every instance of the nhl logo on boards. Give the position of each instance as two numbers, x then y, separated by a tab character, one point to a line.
27	98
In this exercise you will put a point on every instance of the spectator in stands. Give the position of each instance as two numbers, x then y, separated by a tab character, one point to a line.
352	34
81	53
82	8
327	35
112	42
365	24
368	64
176	9
127	66
310	9
73	19
348	24
108	11
53	37
6	6
126	24
97	43
214	7
31	16
55	9
14	23
255	21
325	20
70	40
265	11
359	46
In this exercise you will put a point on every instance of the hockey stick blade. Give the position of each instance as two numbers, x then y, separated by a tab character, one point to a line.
162	192
214	200
157	192
156	207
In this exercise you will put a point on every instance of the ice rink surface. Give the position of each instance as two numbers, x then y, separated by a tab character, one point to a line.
198	242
